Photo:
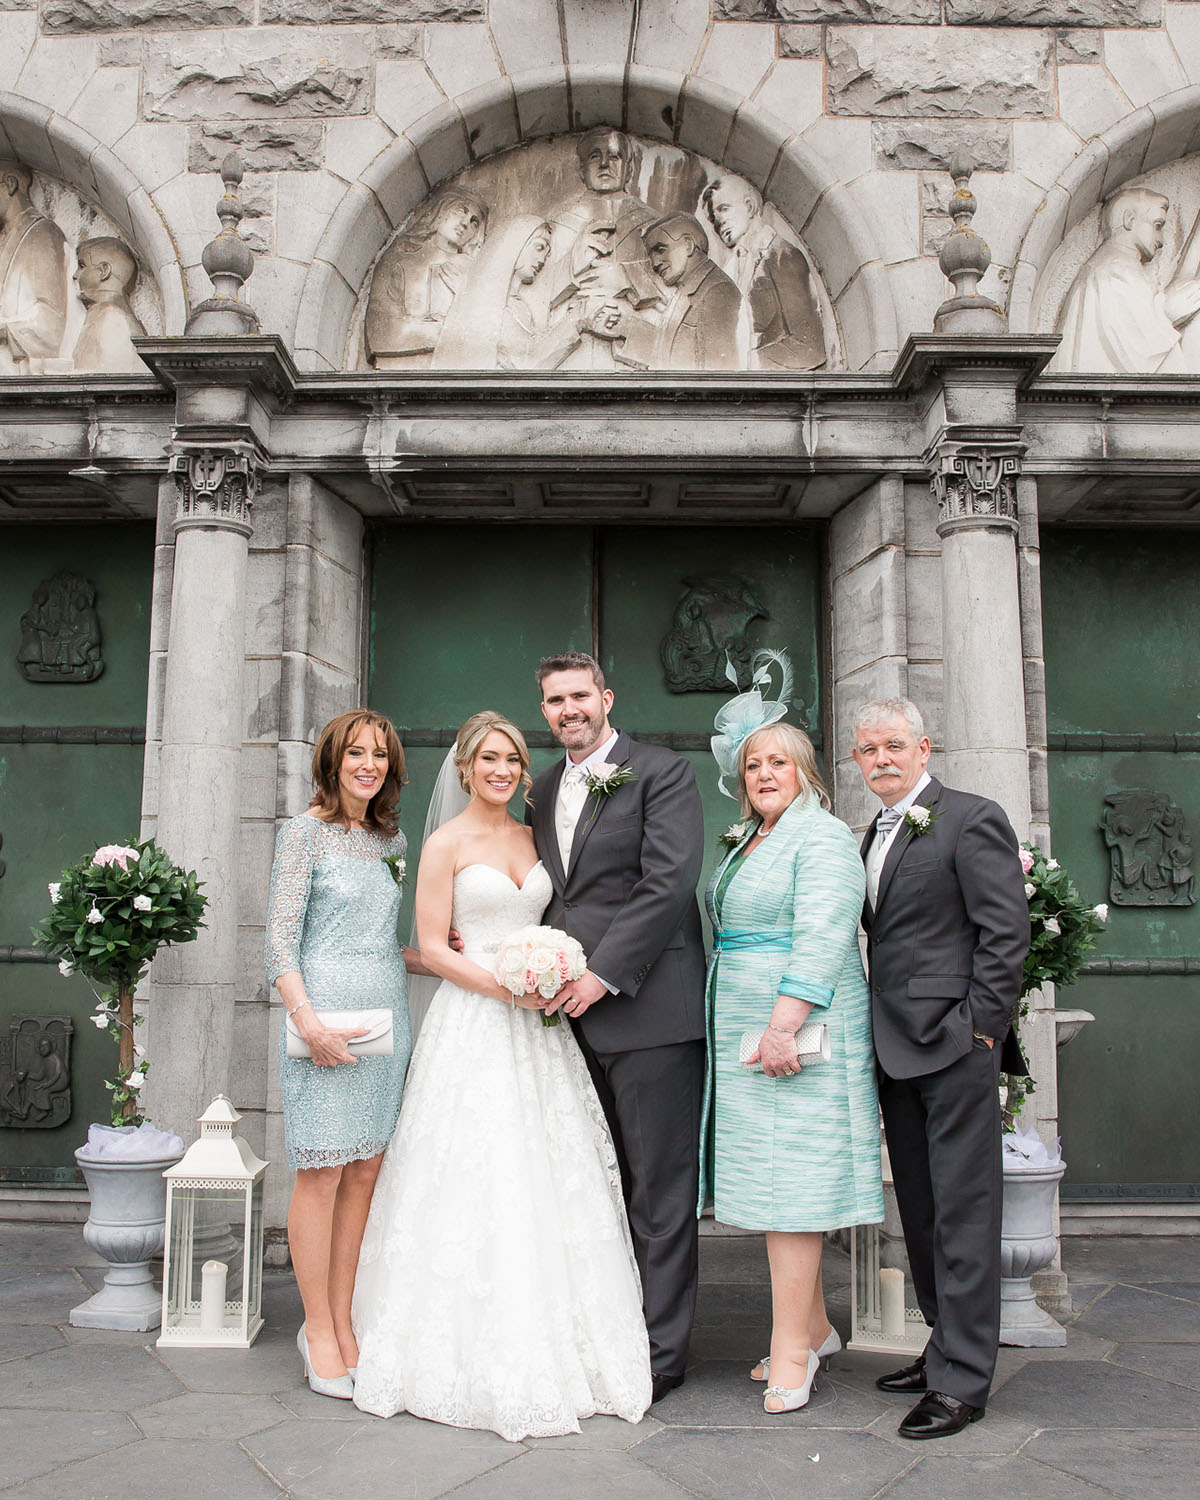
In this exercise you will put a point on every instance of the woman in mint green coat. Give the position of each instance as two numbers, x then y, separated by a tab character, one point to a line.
795	1151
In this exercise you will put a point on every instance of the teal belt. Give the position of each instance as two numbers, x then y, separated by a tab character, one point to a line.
742	939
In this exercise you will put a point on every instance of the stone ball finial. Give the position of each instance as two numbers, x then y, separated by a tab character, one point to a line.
964	257
229	261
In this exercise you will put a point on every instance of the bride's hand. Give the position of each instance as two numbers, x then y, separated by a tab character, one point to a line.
525	1002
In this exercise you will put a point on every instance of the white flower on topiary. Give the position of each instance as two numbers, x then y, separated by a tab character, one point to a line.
54	887
142	903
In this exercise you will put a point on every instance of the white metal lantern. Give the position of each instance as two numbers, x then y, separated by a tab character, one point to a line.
883	1323
212	1264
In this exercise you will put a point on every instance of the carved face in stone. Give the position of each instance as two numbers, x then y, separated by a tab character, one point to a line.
669	258
535	252
606	163
1146	230
457	225
731	212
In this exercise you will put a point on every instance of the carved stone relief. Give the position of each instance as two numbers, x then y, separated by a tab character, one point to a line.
708	630
1124	288
35	1073
975	484
49	237
60	632
1150	849
595	252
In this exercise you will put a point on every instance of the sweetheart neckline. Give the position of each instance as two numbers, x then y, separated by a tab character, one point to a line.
479	864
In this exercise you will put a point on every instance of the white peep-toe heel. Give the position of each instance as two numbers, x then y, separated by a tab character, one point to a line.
792	1400
832	1345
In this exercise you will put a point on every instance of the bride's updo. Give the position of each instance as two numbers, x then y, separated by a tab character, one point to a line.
473	733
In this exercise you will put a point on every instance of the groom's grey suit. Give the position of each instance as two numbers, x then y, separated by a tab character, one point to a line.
946	941
628	895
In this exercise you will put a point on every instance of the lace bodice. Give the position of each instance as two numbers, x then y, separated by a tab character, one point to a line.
488	906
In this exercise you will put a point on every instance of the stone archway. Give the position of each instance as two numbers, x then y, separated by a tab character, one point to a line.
1160	132
690	113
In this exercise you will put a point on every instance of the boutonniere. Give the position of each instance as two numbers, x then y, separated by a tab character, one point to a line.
605	777
919	820
396	867
734	835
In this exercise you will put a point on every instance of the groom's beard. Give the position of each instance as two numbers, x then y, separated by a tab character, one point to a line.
583	736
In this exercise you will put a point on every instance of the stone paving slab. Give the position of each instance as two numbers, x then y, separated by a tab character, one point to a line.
19	1339
1133	1465
200	1414
1139	1259
1179	1364
174	1470
720	1464
618	1475
42	1297
941	1476
1128	1312
1093	1395
33	1443
97	1378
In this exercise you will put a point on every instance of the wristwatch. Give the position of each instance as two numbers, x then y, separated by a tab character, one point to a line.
979	1037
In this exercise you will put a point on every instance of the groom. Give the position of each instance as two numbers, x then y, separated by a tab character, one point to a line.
624	864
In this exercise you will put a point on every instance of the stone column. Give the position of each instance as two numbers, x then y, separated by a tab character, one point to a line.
191	1019
974	485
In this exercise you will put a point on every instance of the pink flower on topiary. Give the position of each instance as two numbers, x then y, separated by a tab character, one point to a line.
114	854
1026	860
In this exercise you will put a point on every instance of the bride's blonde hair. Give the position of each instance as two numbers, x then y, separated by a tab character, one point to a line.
471	736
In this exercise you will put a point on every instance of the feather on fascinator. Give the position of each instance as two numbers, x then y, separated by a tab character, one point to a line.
748	712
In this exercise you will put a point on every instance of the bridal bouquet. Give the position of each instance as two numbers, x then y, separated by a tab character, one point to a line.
539	961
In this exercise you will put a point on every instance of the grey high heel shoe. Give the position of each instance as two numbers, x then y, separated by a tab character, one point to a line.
793	1400
339	1386
832	1345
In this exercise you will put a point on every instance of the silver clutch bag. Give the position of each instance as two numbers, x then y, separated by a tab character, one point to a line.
376	1043
812	1046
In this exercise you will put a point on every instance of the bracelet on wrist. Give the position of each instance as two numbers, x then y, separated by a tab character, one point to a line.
299	1007
787	1030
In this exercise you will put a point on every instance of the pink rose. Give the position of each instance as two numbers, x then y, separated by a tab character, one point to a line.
114	854
1026	860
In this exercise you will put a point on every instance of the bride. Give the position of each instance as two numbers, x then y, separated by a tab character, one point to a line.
497	1286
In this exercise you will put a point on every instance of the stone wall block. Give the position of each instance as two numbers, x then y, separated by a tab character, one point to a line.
827	238
353	254
264	602
924	596
926	689
57	69
321	610
307	227
251	1022
669	34
310	695
119	51
867	319
652	105
317	519
107	105
597	94
266	146
1078	45
256	849
490	116
352	144
257	796
18	32
260	699
1176	129
869	602
755	143
323	319
801	41
460	57
845	140
599	34
1039	787
705	112
258	75
440	141
994	72
333	12
794	92
1083	181
1054	12
738	57
869	523
29	137
879	12
61	16
1183	27
74	149
890	202
1089	101
930	144
527	36
1126	144
293	783
1143	64
542	102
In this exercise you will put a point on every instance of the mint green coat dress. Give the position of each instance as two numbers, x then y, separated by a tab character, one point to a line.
798	1153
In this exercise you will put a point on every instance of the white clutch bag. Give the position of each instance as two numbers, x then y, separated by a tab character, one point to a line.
376	1043
812	1046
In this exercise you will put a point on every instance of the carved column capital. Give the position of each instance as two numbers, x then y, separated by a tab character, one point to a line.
216	488
975	484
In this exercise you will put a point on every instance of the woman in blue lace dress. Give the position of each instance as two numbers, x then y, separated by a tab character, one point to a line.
332	944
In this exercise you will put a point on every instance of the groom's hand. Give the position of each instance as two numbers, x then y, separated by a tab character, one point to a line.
578	995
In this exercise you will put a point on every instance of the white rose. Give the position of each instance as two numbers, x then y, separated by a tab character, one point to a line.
95	916
54	887
1101	911
1052	926
65	967
918	816
736	832
542	960
99	1021
1030	891
142	903
603	770
1052	864
135	1081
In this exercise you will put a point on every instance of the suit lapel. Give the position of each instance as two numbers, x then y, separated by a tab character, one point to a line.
864	849
544	827
593	807
903	841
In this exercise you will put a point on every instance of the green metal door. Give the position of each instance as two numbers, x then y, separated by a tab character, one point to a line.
460	616
72	729
1121	620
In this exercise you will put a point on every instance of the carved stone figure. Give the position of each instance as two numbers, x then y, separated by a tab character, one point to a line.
419	276
708	630
33	278
35	1072
60	632
1116	317
106	274
1150	848
697	329
773	276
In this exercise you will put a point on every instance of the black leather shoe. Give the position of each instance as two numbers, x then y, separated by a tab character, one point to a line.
661	1384
938	1415
911	1378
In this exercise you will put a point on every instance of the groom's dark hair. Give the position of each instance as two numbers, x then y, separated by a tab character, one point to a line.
570	661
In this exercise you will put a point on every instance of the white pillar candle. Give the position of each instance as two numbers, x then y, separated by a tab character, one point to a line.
212	1295
891	1302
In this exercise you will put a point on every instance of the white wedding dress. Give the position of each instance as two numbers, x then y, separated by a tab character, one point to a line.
497	1286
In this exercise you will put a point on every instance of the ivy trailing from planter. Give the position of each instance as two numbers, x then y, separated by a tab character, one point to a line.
110	914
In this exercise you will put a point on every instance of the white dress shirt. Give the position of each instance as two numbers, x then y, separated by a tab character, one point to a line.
572	795
878	851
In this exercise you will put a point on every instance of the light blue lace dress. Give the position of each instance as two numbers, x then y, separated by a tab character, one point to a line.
333	916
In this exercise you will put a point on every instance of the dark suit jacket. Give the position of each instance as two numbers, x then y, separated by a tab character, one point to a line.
947	938
629	896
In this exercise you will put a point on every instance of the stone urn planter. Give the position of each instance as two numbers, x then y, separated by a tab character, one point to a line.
125	1226
1027	1244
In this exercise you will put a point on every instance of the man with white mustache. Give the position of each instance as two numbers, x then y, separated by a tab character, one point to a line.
947	928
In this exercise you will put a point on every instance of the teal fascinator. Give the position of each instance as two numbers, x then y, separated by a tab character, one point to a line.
748	712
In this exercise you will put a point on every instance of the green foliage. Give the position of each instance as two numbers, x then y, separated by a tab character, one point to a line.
116	949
